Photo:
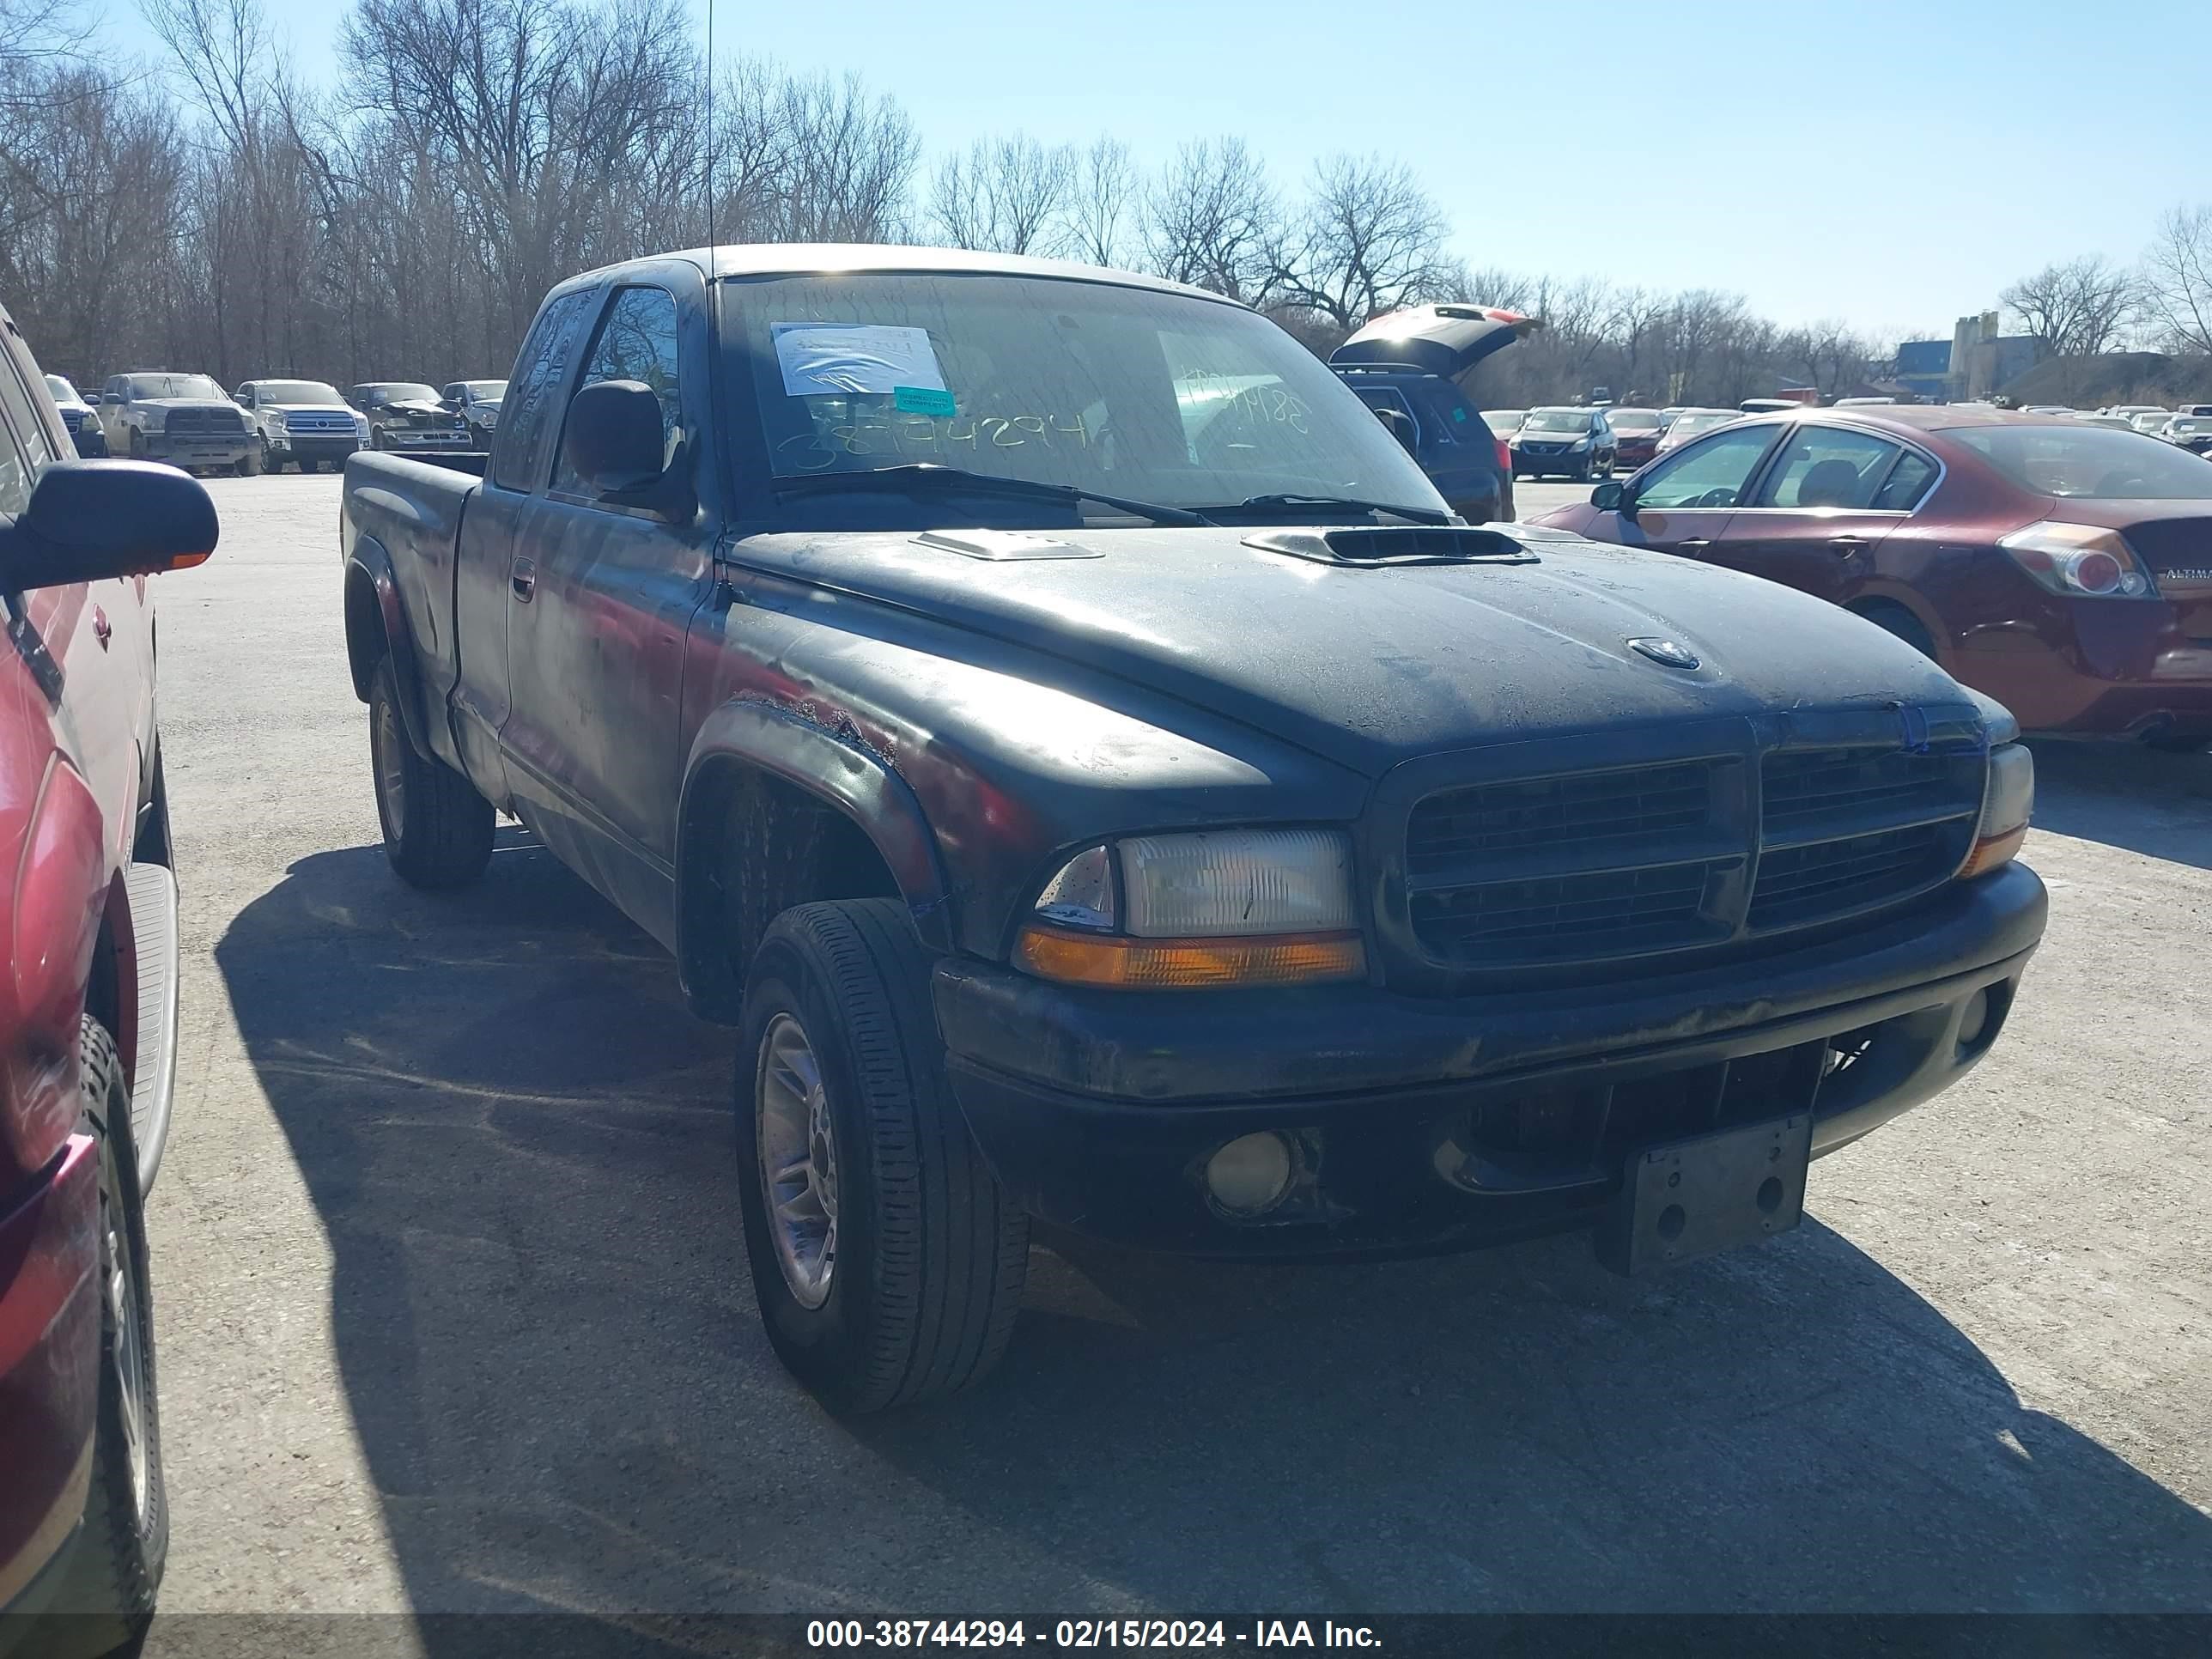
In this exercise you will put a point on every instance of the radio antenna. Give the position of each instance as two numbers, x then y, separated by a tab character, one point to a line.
711	243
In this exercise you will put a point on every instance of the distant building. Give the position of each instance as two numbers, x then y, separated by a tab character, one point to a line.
1969	366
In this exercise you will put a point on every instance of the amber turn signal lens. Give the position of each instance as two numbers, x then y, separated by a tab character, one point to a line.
1167	964
1997	850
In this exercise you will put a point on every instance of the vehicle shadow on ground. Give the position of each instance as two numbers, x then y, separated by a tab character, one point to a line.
2123	795
518	1140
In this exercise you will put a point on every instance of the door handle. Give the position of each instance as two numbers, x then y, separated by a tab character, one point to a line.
1847	543
522	578
1699	543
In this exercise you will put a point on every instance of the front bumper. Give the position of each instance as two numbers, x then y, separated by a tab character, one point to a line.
1539	465
1098	1110
49	1366
443	437
314	445
198	448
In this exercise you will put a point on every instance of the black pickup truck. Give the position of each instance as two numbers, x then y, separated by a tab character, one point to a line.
1045	711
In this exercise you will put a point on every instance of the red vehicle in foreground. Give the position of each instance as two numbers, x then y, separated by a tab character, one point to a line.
2065	570
88	1020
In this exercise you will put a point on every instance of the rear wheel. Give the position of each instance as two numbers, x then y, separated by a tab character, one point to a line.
887	1262
105	1598
437	829
1896	619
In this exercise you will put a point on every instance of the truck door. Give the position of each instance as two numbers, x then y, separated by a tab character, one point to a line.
482	575
601	599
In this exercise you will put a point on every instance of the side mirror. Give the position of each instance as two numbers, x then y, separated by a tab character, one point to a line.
110	397
89	520
1400	425
613	440
1611	497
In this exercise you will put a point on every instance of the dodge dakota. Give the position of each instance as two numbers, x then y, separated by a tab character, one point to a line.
1047	714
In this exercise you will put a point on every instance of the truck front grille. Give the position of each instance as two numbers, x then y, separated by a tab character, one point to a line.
1619	864
227	422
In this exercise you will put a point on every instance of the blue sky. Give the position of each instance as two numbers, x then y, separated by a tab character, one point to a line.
1892	163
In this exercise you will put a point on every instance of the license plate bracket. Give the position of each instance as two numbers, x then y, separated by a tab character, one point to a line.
1683	1199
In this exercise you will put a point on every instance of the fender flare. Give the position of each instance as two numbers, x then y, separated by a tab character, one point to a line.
371	596
834	764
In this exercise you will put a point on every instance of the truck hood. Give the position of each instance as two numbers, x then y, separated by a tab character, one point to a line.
310	409
412	409
183	403
1366	665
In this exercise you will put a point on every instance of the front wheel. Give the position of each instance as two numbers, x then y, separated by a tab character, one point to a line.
376	438
437	829
887	1261
106	1599
255	461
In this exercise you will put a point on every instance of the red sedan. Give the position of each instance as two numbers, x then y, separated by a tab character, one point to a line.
2065	569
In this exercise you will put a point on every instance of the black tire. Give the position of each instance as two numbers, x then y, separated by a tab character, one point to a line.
255	461
376	438
105	1599
134	445
930	1254
437	829
2177	743
1896	619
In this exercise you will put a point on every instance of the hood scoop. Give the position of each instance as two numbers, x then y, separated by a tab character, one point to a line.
1397	545
1002	546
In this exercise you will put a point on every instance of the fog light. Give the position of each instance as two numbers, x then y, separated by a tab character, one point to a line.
1251	1173
1976	1018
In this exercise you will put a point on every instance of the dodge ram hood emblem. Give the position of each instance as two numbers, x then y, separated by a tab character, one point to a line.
1666	653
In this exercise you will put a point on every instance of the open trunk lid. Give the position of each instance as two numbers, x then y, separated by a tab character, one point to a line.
1443	339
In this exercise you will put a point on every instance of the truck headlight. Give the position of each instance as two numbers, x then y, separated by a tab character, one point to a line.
149	420
2008	799
1225	908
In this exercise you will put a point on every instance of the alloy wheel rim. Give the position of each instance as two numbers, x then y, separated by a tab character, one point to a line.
391	769
122	1309
798	1160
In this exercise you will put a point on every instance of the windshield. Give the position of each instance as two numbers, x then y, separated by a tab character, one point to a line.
1558	420
61	391
175	386
1688	426
488	391
1149	396
2095	462
1634	420
402	392
1503	421
298	392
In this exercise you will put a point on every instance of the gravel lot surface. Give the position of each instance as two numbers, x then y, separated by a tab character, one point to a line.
453	1312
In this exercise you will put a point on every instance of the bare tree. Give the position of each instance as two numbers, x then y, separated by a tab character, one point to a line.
1209	218
2177	278
1366	239
2079	308
1101	201
1008	195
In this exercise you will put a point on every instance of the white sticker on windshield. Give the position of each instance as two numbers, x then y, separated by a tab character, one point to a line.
821	360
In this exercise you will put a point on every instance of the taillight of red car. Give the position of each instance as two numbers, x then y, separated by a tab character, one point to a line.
1505	456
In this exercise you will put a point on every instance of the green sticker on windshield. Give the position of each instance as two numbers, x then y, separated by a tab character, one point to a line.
1459	414
922	400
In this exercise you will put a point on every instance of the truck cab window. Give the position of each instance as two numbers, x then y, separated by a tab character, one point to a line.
539	374
637	341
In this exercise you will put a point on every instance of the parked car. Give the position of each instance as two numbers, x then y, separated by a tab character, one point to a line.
2115	422
2131	410
477	401
1411	360
2190	431
1128	823
407	415
2058	566
87	1022
2151	421
186	420
1503	422
302	422
1864	402
79	419
1569	441
1635	434
2196	410
1689	423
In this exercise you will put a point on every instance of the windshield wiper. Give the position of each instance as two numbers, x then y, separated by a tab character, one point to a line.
1416	515
930	475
